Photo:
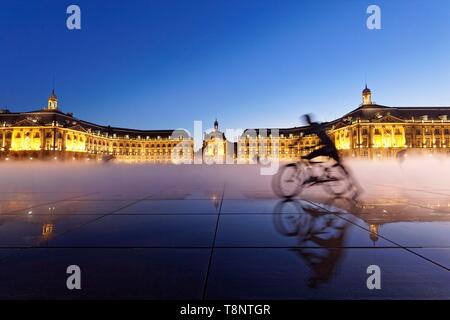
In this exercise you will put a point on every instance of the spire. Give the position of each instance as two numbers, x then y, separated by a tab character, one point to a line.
53	83
53	95
216	125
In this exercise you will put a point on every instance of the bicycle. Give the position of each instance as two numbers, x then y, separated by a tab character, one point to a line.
294	177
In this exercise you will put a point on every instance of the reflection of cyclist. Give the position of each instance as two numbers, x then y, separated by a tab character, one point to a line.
321	236
327	148
324	266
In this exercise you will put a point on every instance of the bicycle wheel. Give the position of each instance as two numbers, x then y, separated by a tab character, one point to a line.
338	181
290	219
289	180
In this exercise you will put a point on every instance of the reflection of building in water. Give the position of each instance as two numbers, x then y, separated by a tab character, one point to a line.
47	230
216	201
373	228
378	213
371	130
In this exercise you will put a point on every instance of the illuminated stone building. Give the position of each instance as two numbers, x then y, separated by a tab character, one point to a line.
371	131
378	131
263	145
51	134
216	148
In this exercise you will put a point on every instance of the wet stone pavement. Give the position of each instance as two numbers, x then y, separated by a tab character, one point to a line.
216	240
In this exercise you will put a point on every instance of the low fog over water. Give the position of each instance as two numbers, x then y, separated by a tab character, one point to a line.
422	173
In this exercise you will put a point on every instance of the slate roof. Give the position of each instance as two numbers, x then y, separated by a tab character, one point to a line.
375	111
47	117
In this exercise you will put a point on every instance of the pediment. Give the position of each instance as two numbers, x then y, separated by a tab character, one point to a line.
77	127
388	118
27	123
340	124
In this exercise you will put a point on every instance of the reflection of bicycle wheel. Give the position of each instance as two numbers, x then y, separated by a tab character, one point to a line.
289	180
290	219
338	181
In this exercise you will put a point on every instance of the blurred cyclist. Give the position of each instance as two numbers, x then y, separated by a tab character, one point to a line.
327	149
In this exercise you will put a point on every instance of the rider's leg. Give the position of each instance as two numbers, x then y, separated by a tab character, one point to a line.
313	176
315	154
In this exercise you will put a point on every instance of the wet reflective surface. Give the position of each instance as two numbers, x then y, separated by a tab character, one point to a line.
200	235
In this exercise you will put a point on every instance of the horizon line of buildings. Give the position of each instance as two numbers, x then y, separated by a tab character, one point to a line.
370	131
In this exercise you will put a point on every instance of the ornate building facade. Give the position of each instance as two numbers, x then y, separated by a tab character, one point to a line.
371	131
378	131
51	134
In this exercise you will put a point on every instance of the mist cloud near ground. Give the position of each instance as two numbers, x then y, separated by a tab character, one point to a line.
141	179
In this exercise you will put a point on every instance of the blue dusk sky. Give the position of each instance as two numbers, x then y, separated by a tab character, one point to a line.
161	64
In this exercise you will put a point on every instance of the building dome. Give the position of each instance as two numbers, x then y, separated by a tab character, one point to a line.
366	91
367	96
52	103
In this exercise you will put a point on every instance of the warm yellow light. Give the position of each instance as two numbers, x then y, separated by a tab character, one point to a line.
47	229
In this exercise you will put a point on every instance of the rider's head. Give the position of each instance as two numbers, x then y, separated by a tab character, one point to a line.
307	119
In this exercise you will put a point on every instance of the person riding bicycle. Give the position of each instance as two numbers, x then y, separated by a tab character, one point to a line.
327	148
335	178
